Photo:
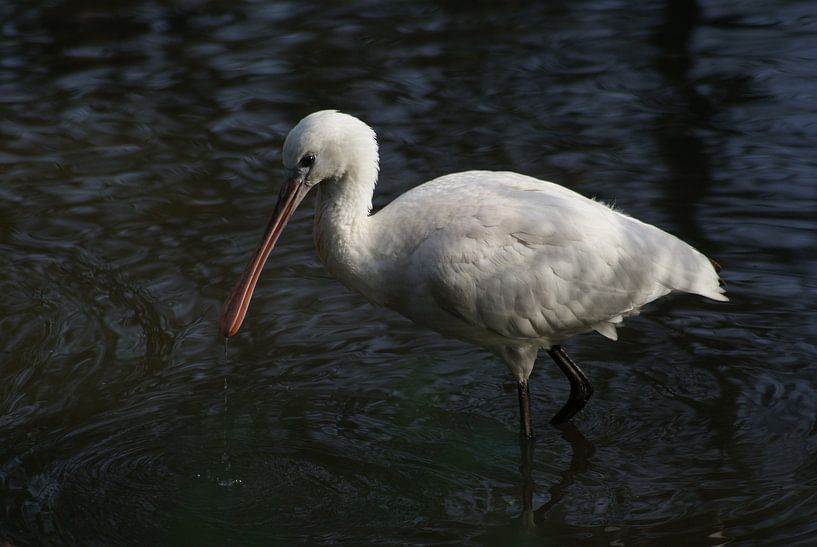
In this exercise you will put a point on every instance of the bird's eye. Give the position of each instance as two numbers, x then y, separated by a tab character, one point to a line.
307	160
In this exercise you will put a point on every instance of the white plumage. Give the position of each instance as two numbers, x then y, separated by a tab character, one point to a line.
498	259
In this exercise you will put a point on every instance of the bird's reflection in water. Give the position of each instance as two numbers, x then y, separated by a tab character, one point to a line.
582	449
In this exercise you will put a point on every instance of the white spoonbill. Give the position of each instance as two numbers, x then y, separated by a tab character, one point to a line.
501	260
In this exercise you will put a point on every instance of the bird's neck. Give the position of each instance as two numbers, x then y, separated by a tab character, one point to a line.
342	230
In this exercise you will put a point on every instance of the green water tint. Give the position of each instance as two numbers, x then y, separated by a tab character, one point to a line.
140	159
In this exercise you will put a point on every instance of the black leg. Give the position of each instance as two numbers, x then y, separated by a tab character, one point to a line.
580	387
526	429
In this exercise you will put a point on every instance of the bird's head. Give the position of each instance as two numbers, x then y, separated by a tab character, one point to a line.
324	148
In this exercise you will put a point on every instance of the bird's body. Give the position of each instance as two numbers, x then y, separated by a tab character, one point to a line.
498	259
507	261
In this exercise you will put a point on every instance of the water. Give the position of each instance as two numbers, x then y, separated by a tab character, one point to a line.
140	160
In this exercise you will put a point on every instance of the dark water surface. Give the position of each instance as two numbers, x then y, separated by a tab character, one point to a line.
140	159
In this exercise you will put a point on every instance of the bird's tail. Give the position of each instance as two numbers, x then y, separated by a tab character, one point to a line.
697	274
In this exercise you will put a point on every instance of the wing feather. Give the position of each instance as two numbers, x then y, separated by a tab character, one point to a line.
527	259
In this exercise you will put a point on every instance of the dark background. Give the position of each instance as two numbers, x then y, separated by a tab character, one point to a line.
140	159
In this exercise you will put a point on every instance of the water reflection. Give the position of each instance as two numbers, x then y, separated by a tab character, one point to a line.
581	452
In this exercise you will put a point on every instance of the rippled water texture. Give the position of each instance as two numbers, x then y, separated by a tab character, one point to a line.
139	161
